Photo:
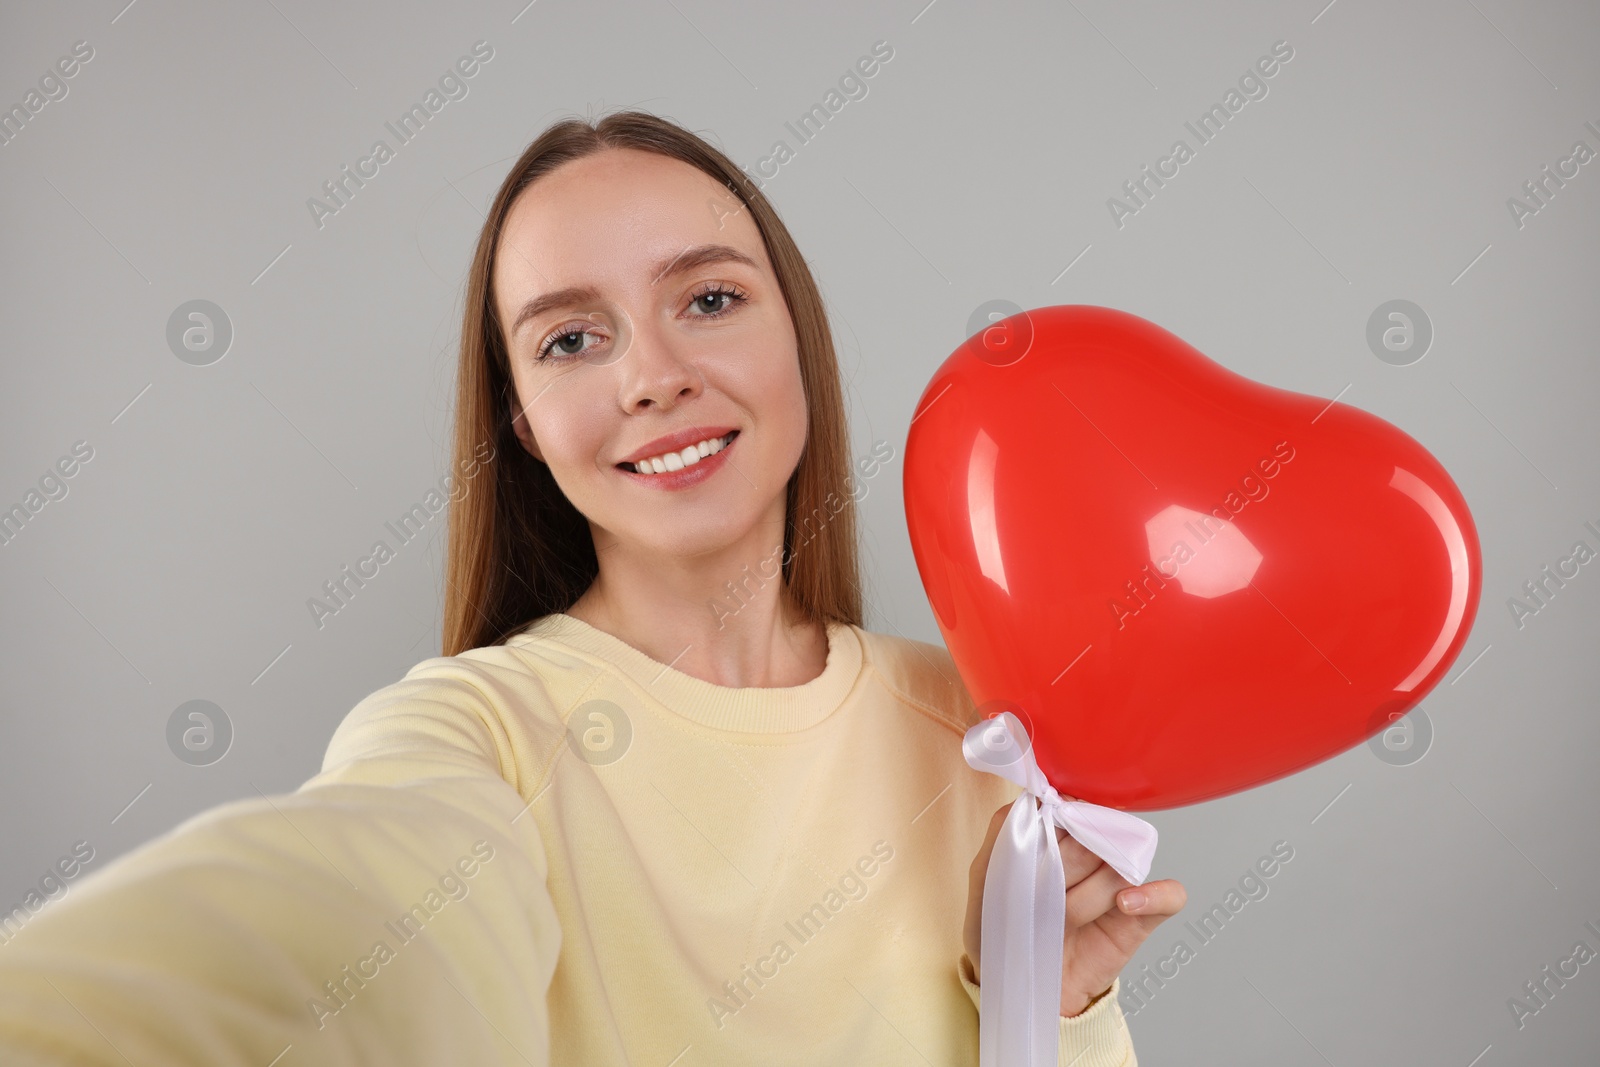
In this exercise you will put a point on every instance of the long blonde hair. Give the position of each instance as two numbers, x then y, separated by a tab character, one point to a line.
518	548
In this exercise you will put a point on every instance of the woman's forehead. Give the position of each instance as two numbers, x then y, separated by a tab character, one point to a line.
615	221
623	196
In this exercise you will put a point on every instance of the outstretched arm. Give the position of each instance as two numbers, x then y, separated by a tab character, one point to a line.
394	910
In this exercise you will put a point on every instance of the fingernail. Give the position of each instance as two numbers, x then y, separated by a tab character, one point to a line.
1133	900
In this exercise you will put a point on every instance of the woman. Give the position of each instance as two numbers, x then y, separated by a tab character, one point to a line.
662	800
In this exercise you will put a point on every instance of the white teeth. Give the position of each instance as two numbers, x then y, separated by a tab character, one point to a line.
676	461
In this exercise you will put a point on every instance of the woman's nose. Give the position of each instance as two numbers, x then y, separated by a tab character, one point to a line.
656	369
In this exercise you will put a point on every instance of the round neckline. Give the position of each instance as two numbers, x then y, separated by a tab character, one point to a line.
748	709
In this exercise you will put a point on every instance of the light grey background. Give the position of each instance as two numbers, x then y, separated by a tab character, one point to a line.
1421	897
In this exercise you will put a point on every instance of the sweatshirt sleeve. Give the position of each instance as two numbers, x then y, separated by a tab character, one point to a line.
1096	1037
392	910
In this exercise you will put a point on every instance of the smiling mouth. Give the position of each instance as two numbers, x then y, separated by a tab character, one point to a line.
677	461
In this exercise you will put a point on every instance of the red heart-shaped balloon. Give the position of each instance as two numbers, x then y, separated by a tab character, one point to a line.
1185	583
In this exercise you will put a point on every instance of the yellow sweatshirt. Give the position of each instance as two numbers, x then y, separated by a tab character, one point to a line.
558	851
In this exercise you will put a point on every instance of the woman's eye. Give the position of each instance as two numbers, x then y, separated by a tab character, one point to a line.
564	345
568	344
717	301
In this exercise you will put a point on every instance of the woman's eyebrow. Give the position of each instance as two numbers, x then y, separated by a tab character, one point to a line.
699	256
690	258
561	298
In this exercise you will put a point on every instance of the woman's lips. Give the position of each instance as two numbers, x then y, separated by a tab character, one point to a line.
689	476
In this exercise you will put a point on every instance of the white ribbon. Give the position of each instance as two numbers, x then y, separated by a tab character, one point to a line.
1025	895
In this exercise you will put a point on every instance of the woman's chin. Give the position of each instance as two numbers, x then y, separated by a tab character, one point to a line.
709	540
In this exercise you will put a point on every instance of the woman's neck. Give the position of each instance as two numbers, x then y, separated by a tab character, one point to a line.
765	643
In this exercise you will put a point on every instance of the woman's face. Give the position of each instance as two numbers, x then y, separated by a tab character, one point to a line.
667	321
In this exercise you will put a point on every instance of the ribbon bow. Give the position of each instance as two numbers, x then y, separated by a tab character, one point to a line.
1025	895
